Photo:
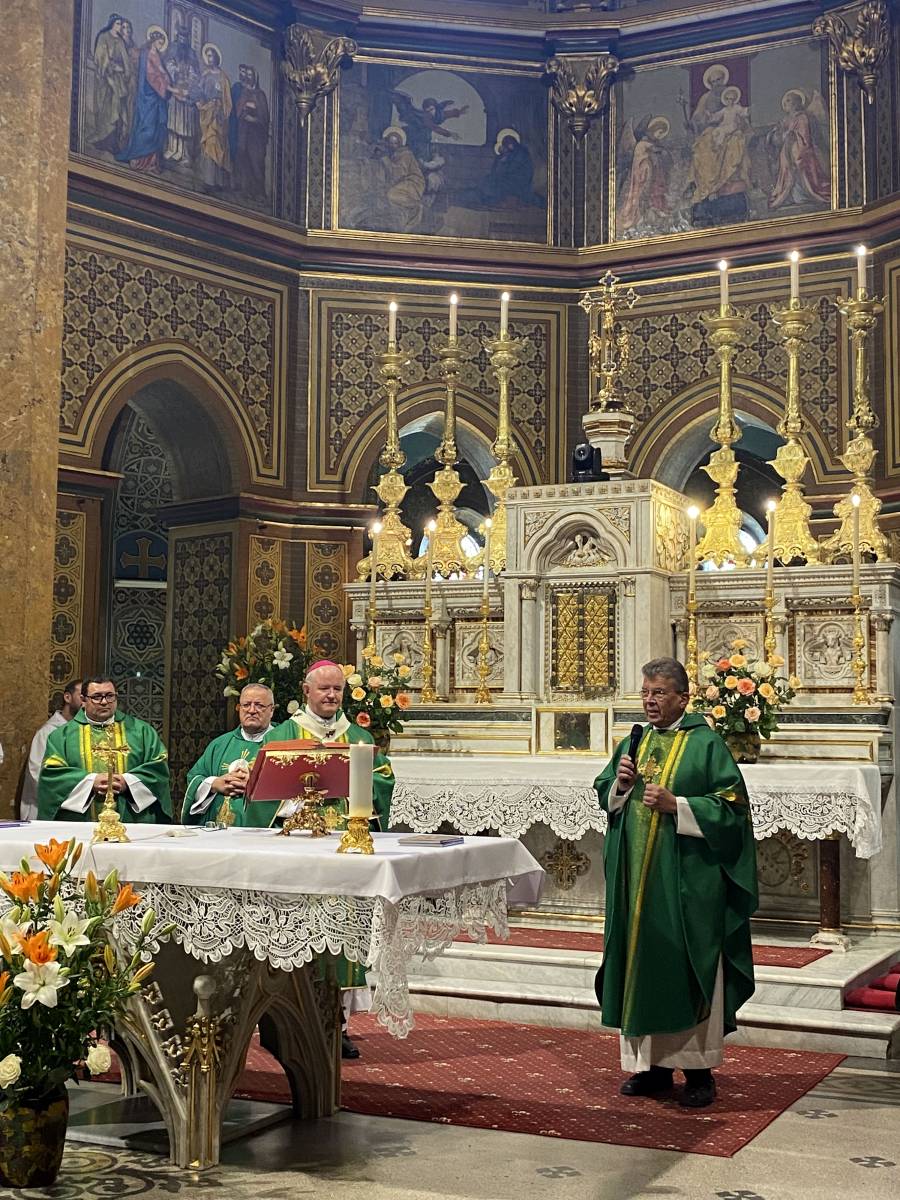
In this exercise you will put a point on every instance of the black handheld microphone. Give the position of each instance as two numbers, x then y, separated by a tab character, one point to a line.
634	740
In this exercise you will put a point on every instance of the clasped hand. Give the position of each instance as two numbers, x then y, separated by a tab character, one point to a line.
655	797
232	783
118	783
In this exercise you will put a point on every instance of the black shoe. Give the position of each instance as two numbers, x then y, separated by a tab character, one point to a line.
654	1082
699	1089
349	1048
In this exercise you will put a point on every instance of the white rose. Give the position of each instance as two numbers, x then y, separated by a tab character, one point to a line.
10	1070
708	670
354	680
98	1060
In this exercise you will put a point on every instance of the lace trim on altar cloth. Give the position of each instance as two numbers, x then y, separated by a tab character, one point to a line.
813	813
287	931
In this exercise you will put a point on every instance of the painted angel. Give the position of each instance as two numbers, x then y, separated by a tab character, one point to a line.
646	165
800	139
423	124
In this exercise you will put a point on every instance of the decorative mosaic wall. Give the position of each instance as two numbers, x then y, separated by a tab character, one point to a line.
201	627
136	658
348	391
68	602
325	610
264	580
116	303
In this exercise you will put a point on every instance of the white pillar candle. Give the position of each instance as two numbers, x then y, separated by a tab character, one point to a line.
429	560
693	513
795	275
854	500
454	304
362	757
770	557
373	575
861	253
487	556
392	323
504	314
723	287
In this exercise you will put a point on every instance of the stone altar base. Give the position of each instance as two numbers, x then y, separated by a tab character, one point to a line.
793	1008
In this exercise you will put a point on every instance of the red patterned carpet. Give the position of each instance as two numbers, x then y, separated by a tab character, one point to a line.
556	1082
591	943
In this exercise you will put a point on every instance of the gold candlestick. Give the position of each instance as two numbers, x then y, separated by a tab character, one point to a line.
862	316
372	610
110	827
449	556
483	694
428	695
692	665
790	461
721	541
308	817
357	838
860	691
769	595
610	353
505	353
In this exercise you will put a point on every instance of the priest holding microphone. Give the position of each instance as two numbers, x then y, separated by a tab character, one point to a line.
681	887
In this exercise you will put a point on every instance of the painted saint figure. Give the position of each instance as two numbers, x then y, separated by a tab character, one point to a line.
113	85
214	105
511	178
182	124
398	179
644	197
249	133
803	174
147	137
720	176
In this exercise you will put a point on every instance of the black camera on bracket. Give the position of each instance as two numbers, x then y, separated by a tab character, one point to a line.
587	464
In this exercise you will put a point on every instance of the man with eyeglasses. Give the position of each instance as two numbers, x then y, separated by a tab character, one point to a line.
217	780
72	785
681	887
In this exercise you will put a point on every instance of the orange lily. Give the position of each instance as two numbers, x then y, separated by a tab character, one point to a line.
23	887
51	856
127	898
240	672
91	887
4	978
37	948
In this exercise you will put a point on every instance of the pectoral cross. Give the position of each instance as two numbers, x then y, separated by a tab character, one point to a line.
649	770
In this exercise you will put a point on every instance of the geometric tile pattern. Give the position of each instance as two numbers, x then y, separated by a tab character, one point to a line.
68	602
263	580
325	604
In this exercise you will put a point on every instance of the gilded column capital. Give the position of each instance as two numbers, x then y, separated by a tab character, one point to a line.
862	52
312	65
579	88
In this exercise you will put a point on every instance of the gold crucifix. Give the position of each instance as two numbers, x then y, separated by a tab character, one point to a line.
109	827
649	770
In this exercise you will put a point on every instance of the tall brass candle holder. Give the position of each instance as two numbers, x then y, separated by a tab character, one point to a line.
393	556
505	353
428	695
110	827
692	665
449	556
794	538
483	694
769	642
721	541
861	694
862	316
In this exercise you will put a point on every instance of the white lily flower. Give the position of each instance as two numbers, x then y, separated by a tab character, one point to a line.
282	659
69	932
39	983
11	928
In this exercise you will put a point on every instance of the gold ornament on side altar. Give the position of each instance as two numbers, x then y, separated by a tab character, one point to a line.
483	694
308	817
449	556
721	541
610	352
862	316
505	353
428	695
110	827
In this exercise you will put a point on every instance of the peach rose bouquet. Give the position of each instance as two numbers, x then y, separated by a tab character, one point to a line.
741	696
375	694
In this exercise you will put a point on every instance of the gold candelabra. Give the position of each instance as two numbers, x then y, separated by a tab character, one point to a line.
721	542
393	557
794	539
769	638
110	827
692	666
610	352
861	694
428	695
357	839
505	353
449	556
308	817
483	694
862	316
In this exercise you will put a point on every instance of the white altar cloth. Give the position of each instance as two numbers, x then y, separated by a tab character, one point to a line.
512	793
289	898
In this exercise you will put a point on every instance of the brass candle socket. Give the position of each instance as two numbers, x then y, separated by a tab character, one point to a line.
110	827
505	353
483	694
692	666
356	839
769	638
861	693
428	695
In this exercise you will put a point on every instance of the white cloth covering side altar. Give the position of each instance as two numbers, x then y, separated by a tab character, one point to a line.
510	793
288	898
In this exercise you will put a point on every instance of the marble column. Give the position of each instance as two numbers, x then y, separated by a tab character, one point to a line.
530	647
35	95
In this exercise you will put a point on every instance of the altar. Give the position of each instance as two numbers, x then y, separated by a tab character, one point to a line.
252	912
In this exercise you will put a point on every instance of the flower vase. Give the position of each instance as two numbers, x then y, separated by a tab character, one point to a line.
32	1137
743	746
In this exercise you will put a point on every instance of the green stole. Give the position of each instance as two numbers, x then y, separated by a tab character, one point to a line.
69	757
677	904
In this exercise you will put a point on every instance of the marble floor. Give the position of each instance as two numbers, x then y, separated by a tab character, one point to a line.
840	1140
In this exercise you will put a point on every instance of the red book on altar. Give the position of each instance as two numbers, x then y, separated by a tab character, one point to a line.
283	769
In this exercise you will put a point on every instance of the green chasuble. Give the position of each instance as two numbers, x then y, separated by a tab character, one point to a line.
676	904
69	758
216	760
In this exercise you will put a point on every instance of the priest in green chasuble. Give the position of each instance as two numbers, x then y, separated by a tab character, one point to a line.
680	890
73	781
216	781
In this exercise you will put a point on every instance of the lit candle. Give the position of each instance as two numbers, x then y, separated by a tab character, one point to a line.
795	276
861	253
373	576
429	561
770	557
392	323
454	303
486	574
362	757
854	499
723	288
504	314
693	513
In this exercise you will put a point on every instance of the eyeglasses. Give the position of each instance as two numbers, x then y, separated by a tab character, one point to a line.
254	704
656	693
102	697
